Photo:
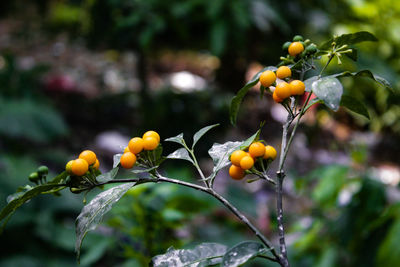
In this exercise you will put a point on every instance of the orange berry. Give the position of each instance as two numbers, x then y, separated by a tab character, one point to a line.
89	156
68	167
270	152
79	167
96	165
295	48
150	143
267	78
283	72
257	149
127	160
297	87
236	172
276	98
135	145
247	162
152	134
282	90
127	149
237	156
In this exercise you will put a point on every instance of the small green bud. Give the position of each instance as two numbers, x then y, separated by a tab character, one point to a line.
43	170
298	38
33	177
312	48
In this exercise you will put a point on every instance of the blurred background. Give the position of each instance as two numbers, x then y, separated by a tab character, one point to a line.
91	74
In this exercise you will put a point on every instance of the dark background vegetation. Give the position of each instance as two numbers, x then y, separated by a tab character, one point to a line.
77	74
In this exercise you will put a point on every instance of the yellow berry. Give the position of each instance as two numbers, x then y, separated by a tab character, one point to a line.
276	98
89	156
237	156
152	134
270	152
257	149
282	90
127	160
96	165
297	87
68	167
135	145
150	143
267	78
295	48
247	162
79	167
283	72
236	172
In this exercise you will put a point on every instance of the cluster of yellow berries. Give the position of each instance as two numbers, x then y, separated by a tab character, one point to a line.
283	89
81	165
242	160
149	141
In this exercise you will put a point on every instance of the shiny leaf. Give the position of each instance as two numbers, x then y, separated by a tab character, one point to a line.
181	153
242	253
92	214
205	254
329	90
176	139
201	132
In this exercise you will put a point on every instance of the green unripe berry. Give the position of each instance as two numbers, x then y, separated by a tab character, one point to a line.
312	48
285	46
298	38
43	170
33	177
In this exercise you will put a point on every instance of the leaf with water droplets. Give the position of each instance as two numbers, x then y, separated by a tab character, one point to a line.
180	153
242	253
205	254
92	214
329	90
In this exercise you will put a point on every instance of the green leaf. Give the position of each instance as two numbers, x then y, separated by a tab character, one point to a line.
328	89
389	250
116	159
181	153
18	200
92	214
144	170
313	102
368	74
237	100
348	39
245	145
201	132
105	177
354	105
220	155
177	139
352	55
242	253
205	254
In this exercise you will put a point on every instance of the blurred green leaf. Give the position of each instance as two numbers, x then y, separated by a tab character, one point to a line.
92	214
205	254
349	39
368	74
389	250
354	105
30	120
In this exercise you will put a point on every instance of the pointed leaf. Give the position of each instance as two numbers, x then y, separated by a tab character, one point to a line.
116	159
92	214
349	39
181	153
220	155
201	132
242	253
354	105
368	74
245	145
176	139
237	100
329	90
205	254
105	177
